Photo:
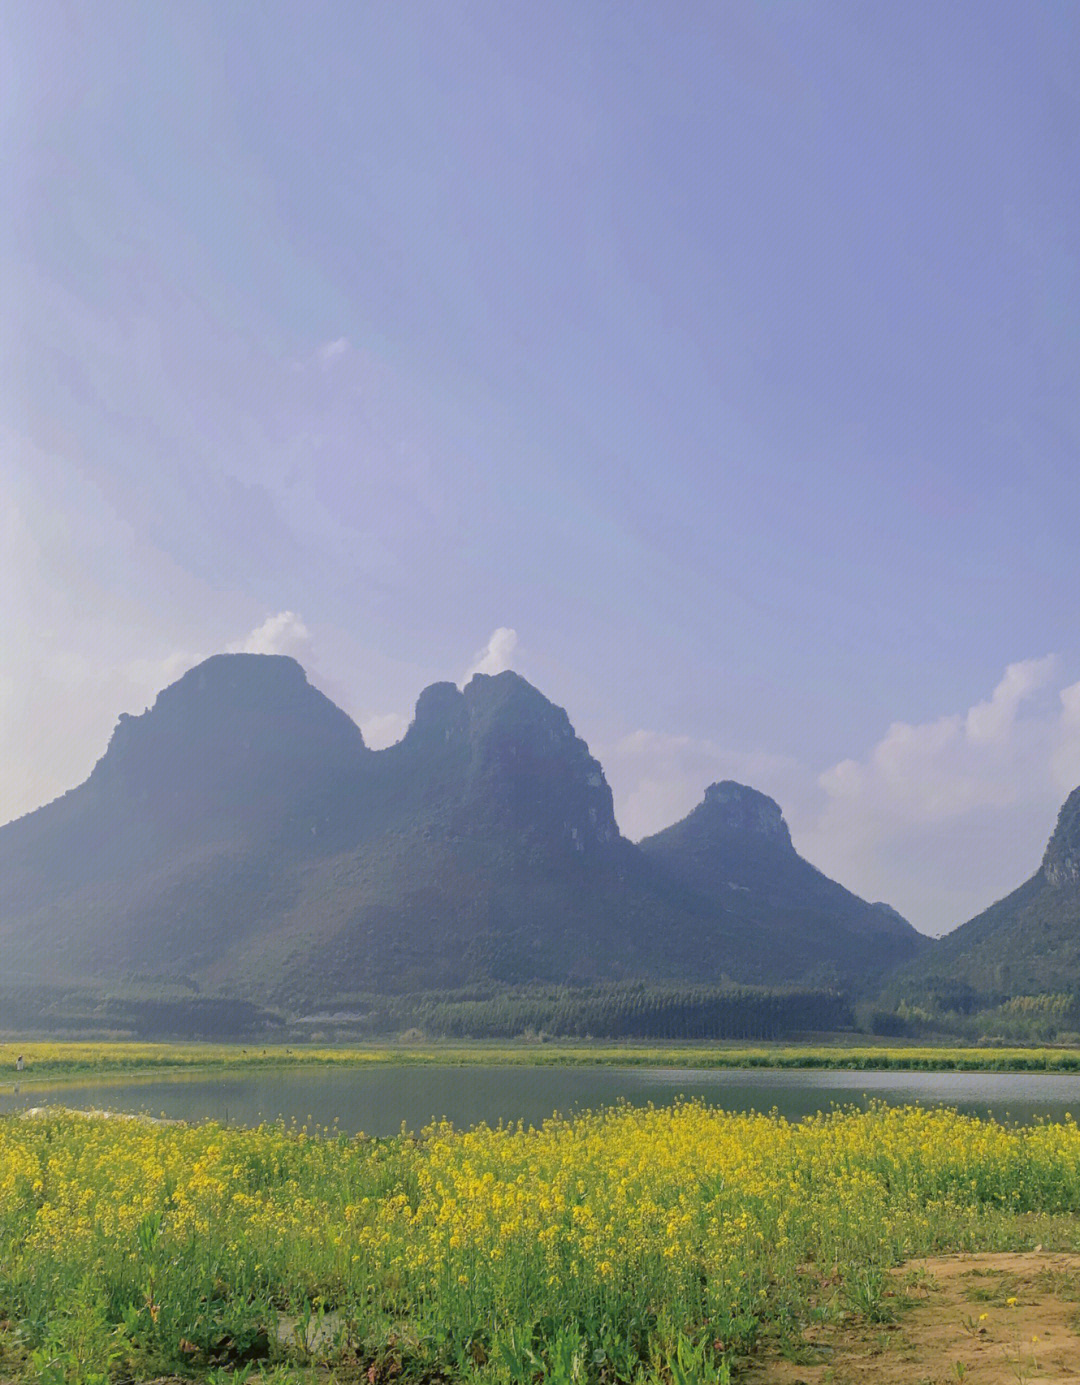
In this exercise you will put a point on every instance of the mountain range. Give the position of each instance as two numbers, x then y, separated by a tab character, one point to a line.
240	837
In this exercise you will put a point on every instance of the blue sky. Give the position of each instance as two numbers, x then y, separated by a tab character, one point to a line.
726	355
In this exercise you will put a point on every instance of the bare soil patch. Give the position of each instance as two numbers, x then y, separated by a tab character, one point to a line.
981	1319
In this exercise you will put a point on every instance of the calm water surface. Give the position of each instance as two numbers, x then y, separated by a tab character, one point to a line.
378	1100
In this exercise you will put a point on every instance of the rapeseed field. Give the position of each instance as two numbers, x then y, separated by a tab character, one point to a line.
48	1061
627	1245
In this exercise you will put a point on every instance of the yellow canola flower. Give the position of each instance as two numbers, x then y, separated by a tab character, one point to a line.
708	1212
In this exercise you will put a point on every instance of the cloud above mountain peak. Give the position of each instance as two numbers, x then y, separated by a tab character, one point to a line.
496	655
283	633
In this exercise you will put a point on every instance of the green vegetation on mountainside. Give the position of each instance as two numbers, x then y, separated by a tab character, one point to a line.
240	838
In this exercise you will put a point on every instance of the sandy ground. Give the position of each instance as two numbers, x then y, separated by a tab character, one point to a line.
980	1319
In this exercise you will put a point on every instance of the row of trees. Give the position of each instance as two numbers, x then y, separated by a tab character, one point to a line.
635	1011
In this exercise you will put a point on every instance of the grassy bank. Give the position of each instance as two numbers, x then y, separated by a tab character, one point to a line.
48	1062
667	1245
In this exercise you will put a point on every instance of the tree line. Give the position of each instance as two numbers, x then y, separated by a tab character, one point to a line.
634	1011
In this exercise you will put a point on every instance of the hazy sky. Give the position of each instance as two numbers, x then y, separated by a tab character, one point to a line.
715	366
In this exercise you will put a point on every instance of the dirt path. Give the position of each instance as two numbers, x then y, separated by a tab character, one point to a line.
980	1319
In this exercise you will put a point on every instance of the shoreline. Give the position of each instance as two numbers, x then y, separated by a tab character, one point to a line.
50	1064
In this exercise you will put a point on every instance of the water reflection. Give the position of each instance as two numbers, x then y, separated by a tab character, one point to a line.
379	1099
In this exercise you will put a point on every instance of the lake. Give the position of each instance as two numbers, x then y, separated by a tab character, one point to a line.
379	1099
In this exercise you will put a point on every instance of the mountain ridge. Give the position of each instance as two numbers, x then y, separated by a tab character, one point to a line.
240	832
735	847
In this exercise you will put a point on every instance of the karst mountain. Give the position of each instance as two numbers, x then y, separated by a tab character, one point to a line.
735	851
241	837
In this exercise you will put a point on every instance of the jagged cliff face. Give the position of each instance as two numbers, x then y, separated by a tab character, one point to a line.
528	769
731	807
498	759
1061	864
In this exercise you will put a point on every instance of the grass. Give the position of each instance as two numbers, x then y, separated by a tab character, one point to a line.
651	1247
44	1062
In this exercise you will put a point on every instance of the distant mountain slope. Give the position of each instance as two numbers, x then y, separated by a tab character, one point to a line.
160	857
735	851
239	835
1026	944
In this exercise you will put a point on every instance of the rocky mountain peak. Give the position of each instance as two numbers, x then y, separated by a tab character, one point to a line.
441	714
234	726
232	688
509	704
1061	863
236	676
529	766
738	808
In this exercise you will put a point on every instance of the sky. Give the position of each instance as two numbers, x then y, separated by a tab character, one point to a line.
715	366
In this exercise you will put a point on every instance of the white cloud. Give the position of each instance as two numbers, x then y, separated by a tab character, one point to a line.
936	770
942	817
991	722
1066	759
496	655
284	633
939	818
383	730
329	353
